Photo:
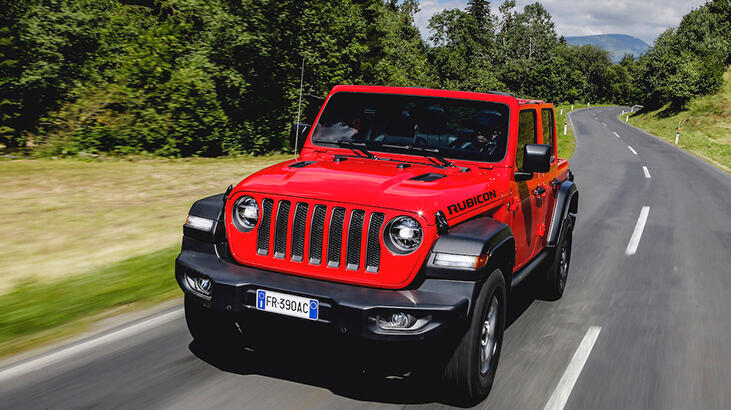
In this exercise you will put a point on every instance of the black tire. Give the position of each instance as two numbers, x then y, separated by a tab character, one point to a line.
468	373
558	268
210	329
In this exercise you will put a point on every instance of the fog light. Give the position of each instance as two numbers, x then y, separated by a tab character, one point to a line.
396	320
199	284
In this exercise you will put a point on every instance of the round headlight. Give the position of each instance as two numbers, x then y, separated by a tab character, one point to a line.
245	213
403	235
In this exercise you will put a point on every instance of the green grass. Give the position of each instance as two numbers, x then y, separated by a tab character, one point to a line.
705	125
566	143
39	311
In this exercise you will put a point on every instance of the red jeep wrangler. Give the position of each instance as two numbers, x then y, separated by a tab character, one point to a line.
405	220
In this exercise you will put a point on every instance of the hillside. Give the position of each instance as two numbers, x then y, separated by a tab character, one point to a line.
705	126
617	44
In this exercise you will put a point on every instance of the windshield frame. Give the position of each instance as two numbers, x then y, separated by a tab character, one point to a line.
377	147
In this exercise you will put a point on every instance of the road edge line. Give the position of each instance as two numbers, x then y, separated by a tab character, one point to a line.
48	359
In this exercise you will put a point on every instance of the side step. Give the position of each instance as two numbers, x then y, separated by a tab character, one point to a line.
526	270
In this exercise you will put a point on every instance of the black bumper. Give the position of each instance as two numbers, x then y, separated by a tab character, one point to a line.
344	309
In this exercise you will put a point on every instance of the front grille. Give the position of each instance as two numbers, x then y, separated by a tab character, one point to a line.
335	238
262	242
373	246
355	234
280	230
317	231
298	231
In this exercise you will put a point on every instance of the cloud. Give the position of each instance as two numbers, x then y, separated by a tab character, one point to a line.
644	19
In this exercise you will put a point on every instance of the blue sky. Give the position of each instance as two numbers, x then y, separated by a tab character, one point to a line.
645	19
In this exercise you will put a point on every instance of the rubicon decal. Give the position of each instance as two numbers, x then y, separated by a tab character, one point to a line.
471	202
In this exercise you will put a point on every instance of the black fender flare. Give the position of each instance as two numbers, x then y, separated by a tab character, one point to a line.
211	207
475	237
567	205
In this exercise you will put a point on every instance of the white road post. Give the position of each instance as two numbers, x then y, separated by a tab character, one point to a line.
565	128
677	137
561	111
572	107
588	104
626	119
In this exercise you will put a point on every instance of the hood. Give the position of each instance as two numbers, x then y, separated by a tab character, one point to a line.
378	183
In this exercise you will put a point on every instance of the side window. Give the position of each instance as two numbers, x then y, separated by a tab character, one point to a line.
526	134
549	130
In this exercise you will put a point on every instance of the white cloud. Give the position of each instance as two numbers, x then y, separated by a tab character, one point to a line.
644	19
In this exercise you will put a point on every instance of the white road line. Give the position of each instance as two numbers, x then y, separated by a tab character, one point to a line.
615	133
646	171
632	149
63	354
604	125
634	241
563	390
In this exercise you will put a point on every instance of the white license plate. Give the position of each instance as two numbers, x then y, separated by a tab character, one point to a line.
290	305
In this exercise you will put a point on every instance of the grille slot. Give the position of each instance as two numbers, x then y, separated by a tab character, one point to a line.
280	230
335	238
316	231
298	231
262	242
373	246
355	237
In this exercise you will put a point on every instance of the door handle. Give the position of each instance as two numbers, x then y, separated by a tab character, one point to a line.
540	190
555	182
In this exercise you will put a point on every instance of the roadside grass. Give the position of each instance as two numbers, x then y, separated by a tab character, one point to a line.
68	216
705	125
37	312
566	143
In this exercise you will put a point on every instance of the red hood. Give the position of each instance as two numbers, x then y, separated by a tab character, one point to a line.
376	183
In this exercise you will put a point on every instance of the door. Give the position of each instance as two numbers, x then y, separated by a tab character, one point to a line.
525	206
548	136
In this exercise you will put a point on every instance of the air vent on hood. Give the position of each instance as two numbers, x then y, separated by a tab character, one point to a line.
428	177
302	164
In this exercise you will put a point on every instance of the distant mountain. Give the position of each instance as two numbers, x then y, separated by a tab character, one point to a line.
617	44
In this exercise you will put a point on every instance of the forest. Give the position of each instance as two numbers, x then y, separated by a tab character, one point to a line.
178	78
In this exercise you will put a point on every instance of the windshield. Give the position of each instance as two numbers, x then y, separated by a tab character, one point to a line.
459	129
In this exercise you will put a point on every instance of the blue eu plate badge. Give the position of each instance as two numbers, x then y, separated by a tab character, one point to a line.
290	305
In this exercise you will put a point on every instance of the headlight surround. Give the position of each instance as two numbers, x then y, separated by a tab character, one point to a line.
403	235
245	213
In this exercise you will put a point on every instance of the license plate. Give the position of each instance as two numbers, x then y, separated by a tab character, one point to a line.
290	305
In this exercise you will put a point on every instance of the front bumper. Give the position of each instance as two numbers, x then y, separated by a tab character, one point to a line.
344	309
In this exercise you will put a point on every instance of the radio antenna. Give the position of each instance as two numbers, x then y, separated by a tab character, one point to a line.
299	109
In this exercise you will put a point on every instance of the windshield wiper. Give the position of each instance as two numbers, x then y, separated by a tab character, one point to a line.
426	152
355	146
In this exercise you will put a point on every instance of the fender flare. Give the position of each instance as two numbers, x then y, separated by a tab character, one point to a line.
567	204
475	237
211	207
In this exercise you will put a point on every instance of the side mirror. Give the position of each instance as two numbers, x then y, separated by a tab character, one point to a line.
536	158
298	135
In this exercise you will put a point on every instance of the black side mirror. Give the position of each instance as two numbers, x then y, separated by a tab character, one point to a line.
298	135
536	158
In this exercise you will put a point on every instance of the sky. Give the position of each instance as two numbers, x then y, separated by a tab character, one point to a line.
644	19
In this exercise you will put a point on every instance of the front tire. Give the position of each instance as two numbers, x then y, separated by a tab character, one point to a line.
558	269
471	369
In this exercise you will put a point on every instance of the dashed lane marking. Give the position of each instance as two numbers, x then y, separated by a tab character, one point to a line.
634	241
646	171
563	390
615	133
632	149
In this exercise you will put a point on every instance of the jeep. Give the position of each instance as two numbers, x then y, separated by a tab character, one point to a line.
405	219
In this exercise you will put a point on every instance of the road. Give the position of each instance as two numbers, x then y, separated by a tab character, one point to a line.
645	321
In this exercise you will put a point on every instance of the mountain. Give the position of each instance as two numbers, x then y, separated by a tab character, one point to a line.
617	44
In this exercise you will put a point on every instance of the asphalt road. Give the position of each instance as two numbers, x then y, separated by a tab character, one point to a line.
645	321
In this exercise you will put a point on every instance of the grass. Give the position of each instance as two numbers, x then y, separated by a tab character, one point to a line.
64	217
705	125
40	311
566	143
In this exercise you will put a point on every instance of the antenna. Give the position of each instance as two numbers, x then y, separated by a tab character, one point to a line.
299	109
